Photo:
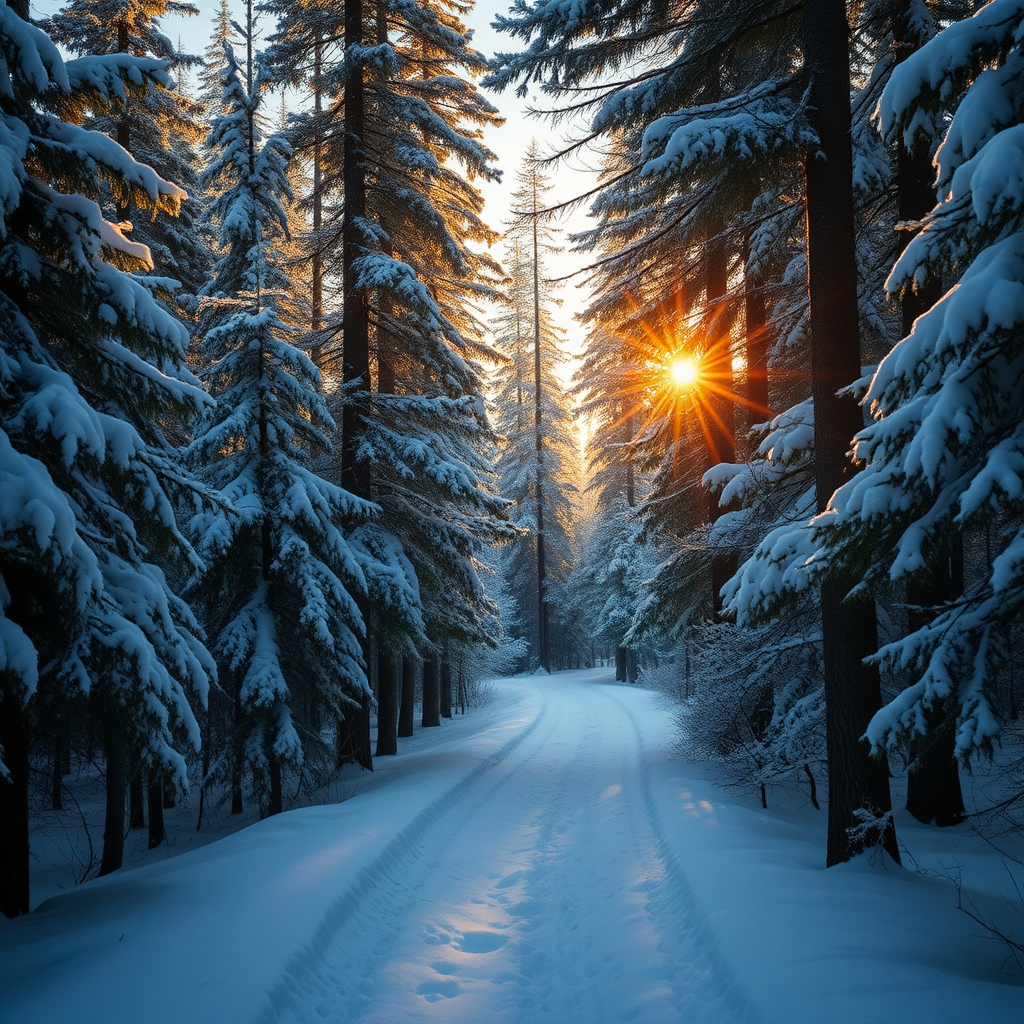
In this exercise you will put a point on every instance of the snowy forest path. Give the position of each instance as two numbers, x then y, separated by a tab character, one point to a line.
538	888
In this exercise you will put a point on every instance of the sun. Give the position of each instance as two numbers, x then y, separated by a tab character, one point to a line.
684	371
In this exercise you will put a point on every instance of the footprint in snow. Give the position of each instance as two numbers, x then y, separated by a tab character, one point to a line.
432	991
480	942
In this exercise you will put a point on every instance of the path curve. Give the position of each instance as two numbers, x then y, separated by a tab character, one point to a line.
540	888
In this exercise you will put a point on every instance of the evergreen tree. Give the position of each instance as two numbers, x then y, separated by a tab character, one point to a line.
215	62
943	453
161	128
539	451
397	216
281	594
92	376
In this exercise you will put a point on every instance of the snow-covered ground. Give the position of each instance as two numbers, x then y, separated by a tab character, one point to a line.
547	859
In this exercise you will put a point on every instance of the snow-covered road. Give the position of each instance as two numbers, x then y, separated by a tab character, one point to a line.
539	888
547	859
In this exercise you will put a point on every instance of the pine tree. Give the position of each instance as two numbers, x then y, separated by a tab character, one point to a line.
214	63
398	219
92	375
536	460
161	128
281	594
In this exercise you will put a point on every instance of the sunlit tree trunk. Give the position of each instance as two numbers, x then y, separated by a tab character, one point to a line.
355	473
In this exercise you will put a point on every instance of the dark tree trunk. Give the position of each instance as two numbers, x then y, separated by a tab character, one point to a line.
933	781
276	804
407	710
113	825
933	778
756	315
720	422
353	737
852	689
156	814
136	803
14	846
317	269
355	324
446	689
431	692
355	314
632	673
620	664
389	681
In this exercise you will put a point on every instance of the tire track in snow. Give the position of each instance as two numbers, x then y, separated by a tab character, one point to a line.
592	945
693	954
381	890
547	983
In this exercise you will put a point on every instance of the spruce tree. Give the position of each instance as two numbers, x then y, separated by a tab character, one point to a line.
281	594
538	454
942	455
92	376
159	128
399	217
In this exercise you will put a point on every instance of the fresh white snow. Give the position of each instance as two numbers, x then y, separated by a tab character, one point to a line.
547	859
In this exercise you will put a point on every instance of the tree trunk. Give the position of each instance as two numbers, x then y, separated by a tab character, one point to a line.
136	803
933	781
620	664
756	331
720	423
389	677
431	692
352	738
543	641
446	689
355	314
632	673
408	706
113	825
933	778
852	689
355	324
156	814
317	268
14	845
